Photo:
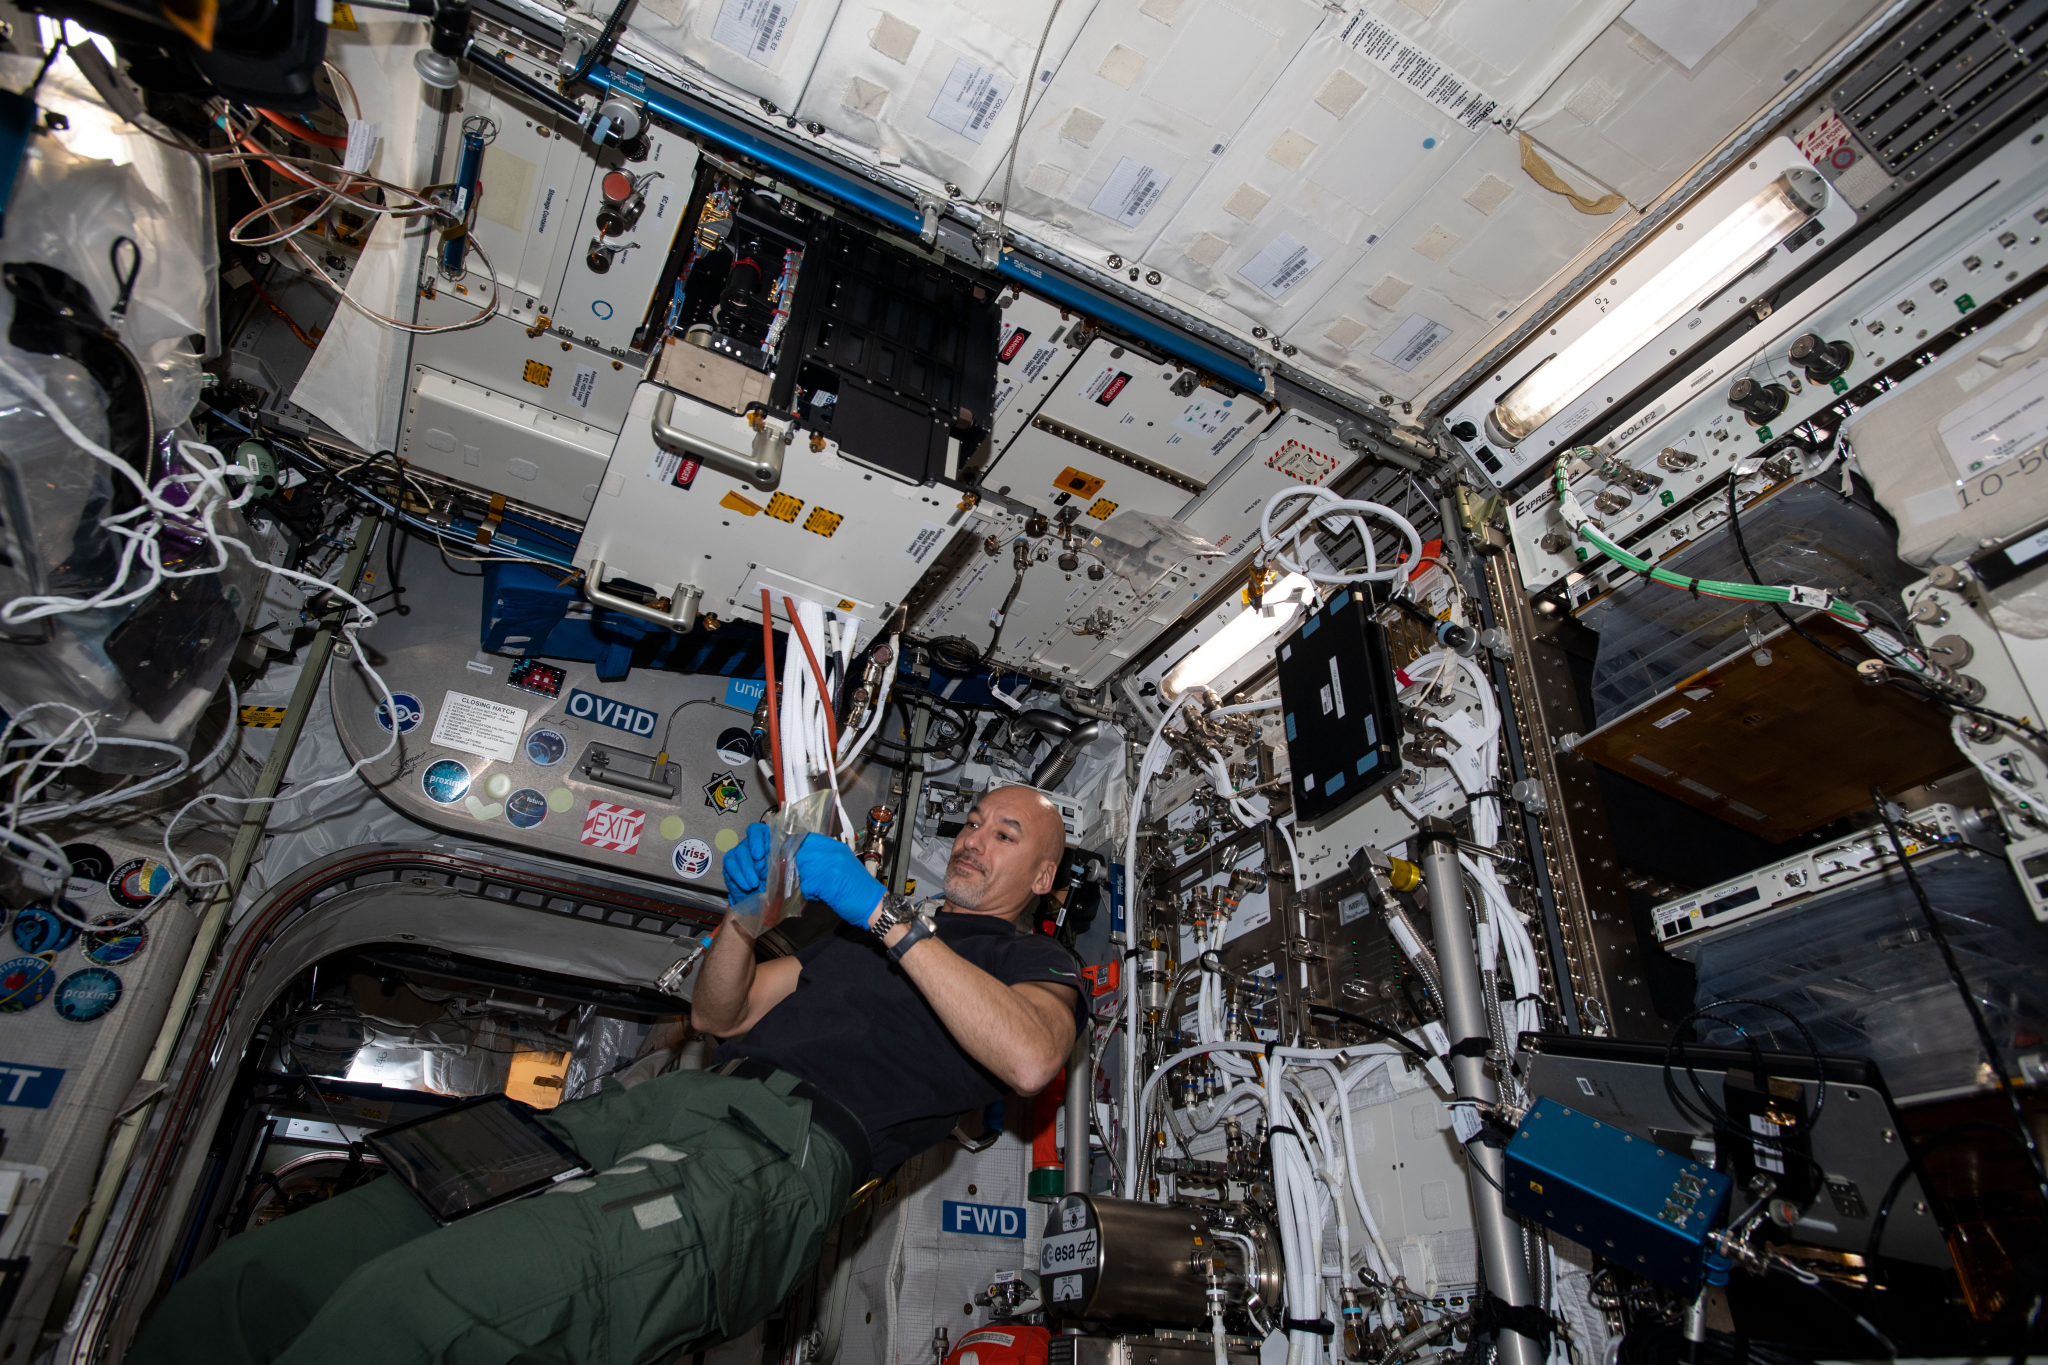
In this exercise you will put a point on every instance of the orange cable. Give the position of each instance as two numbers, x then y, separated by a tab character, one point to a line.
305	132
768	667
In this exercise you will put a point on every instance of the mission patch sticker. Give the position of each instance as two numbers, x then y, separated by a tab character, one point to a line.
692	859
725	793
25	981
525	808
137	883
735	746
546	747
114	944
410	713
445	781
87	995
617	828
38	930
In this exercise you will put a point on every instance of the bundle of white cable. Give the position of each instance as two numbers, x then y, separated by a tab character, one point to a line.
1287	551
1154	759
208	494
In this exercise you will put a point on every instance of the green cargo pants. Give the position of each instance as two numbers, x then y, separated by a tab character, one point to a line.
712	1197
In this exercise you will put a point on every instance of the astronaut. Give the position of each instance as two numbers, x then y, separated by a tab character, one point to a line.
714	1188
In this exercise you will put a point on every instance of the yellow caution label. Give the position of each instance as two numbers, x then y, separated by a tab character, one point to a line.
262	717
847	604
344	19
1103	509
733	502
783	507
537	373
1073	481
822	522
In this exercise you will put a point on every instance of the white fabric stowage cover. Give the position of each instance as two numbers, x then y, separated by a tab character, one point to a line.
355	381
1929	451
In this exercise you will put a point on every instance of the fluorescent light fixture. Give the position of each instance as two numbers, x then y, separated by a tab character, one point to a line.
1721	255
1247	631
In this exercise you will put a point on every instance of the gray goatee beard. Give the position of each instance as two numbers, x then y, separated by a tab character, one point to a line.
964	893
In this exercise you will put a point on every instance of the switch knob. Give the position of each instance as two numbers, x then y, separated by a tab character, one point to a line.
1822	360
1758	402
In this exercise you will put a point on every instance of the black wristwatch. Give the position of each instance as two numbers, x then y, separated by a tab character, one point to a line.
920	930
900	909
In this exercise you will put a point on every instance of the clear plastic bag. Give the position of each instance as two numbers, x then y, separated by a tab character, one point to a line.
94	236
780	889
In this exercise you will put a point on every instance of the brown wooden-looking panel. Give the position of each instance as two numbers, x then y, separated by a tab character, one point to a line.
1783	748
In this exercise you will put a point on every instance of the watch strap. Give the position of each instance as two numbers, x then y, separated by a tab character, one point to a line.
920	929
895	909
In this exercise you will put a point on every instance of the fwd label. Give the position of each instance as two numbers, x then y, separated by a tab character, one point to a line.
986	1220
634	720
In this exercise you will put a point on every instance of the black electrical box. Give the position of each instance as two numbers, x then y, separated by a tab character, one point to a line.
1337	699
897	353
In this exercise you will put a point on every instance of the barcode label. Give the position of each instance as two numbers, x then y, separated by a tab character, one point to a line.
1129	193
1411	342
1280	266
970	99
752	28
1405	60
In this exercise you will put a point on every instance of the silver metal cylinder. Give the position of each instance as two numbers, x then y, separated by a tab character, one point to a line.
1501	1252
1080	1101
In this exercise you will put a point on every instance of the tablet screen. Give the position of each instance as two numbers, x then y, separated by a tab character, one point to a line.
475	1155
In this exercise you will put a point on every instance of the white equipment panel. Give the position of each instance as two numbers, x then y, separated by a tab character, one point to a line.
538	195
1771	161
546	370
1151	414
1912	281
502	443
831	531
1033	354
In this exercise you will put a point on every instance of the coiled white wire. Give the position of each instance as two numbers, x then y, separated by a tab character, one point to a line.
1287	552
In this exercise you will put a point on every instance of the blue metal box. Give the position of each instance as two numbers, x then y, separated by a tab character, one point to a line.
1621	1195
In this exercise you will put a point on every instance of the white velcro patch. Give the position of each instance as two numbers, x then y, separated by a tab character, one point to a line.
656	1213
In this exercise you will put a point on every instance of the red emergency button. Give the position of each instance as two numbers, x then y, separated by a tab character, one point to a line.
618	186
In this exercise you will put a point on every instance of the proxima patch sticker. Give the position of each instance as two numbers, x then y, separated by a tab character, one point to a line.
614	827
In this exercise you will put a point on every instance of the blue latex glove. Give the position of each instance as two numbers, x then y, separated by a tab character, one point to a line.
831	873
746	864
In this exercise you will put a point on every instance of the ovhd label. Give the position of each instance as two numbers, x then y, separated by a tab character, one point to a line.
982	1220
634	720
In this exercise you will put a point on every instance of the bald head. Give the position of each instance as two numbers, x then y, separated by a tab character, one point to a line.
1007	853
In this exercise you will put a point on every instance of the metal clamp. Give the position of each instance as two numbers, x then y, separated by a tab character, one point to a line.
929	207
678	614
762	468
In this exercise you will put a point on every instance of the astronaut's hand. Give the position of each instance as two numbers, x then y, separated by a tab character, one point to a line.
829	872
746	864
